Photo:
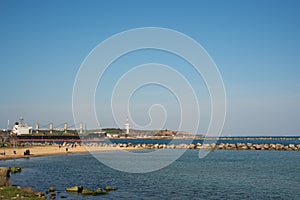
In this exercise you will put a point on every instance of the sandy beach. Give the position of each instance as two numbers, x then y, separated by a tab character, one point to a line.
50	150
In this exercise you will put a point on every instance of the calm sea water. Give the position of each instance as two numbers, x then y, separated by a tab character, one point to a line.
221	174
242	140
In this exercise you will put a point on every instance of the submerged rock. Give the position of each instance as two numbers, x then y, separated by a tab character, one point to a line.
99	191
108	188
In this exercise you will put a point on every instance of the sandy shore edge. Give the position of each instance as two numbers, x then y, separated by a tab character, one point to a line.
39	151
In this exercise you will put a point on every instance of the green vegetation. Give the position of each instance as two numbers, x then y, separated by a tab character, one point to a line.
15	193
113	130
5	144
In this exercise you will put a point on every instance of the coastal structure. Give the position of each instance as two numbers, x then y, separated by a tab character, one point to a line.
127	126
20	128
81	128
37	127
65	127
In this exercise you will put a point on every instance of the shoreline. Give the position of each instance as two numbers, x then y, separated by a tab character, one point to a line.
11	153
53	150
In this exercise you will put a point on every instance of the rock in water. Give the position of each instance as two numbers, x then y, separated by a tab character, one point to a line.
74	189
87	192
108	188
51	189
15	170
99	191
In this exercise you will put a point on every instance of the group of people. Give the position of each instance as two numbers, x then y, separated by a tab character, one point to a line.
68	147
4	153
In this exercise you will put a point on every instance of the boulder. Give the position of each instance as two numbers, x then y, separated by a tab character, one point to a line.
198	145
205	146
74	189
4	176
191	146
230	146
183	146
249	145
258	147
40	194
266	146
15	170
272	146
241	146
221	146
279	147
51	189
99	191
286	147
252	148
213	145
87	192
291	145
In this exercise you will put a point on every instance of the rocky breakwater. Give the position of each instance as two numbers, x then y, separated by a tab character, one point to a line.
213	146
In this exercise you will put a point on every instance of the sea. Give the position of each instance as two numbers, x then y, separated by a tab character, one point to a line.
222	174
245	140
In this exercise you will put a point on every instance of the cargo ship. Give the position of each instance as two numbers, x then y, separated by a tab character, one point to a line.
20	128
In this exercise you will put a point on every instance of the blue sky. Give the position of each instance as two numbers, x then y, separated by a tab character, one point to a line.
255	45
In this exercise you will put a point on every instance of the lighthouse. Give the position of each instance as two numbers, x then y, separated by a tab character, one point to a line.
127	126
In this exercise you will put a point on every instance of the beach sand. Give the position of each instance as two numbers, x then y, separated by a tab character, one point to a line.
50	150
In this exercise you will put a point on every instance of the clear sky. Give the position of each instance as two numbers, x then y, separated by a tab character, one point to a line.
254	43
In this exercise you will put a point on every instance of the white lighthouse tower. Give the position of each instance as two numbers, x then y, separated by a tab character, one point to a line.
127	126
